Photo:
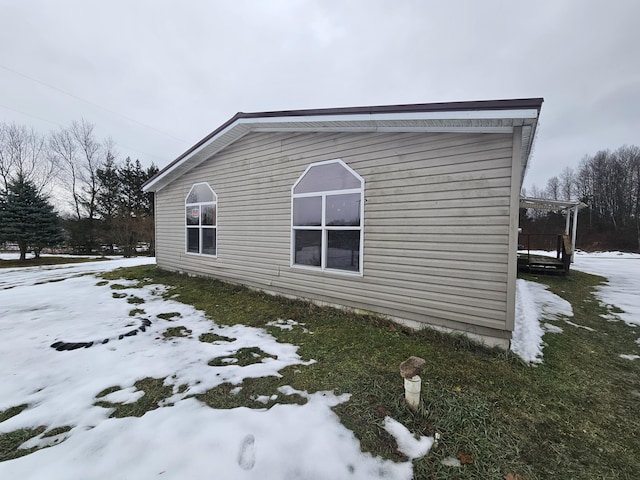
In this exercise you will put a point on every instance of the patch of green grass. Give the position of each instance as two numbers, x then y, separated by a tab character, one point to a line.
212	337
118	295
182	388
12	412
132	274
169	315
154	392
242	358
118	286
42	261
57	431
135	300
102	283
586	416
9	442
136	311
176	332
252	388
574	416
107	391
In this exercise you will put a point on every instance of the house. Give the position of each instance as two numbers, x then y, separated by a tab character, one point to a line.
409	211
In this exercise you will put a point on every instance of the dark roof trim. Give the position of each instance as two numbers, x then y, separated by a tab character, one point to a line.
483	105
406	108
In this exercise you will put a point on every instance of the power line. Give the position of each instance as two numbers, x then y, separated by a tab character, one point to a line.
93	104
61	126
29	115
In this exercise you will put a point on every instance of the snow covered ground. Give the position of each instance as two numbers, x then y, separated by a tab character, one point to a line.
184	439
622	270
535	304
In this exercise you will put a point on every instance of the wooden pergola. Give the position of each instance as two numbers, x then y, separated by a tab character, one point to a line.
565	242
571	209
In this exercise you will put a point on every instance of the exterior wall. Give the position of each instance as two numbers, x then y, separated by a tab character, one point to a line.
438	223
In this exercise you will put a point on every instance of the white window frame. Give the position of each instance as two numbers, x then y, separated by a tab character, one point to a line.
323	227
201	227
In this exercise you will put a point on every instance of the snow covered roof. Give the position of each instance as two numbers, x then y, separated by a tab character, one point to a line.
492	116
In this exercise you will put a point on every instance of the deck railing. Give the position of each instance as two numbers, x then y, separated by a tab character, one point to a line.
545	242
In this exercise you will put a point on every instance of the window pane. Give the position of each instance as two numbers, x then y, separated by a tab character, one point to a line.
200	193
193	240
343	250
193	215
343	209
208	214
307	247
330	176
307	211
209	241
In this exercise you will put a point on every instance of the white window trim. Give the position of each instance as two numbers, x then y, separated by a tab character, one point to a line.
323	227
200	227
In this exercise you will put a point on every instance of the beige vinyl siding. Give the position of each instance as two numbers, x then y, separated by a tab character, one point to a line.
437	222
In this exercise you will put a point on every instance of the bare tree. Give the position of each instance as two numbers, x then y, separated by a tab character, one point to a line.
629	159
636	173
567	184
553	188
24	154
609	183
81	157
534	192
64	150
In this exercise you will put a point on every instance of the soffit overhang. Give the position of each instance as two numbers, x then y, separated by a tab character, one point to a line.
496	117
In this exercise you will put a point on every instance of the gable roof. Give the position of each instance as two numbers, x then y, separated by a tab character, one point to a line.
488	116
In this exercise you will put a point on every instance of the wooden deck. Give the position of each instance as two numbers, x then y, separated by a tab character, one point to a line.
547	265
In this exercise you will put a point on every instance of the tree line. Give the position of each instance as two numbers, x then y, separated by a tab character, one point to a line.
99	202
608	182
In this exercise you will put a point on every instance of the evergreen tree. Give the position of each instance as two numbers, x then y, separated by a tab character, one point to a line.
126	211
109	189
148	225
109	199
27	218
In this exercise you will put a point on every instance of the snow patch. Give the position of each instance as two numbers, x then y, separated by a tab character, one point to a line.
630	357
550	328
183	437
287	325
125	396
579	326
533	303
407	443
451	462
264	399
610	317
622	271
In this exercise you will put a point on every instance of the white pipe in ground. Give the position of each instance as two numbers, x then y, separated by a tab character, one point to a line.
412	388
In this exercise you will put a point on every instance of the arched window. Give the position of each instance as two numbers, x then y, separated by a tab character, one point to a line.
327	212
201	220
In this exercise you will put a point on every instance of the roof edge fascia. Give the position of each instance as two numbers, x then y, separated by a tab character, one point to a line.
526	110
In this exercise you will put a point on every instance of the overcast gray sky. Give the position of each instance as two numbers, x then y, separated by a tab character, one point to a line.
158	75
